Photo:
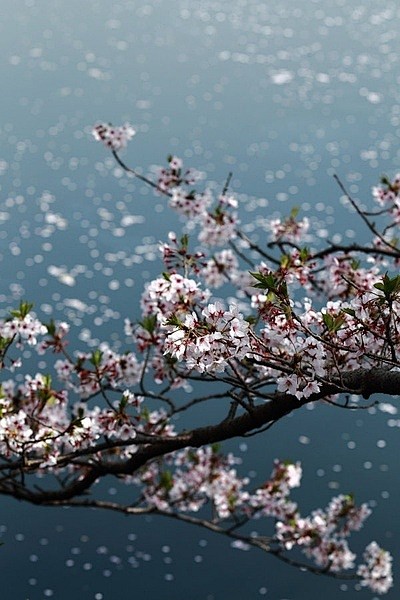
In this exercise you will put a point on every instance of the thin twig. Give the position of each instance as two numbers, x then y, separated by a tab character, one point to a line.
227	182
140	176
368	223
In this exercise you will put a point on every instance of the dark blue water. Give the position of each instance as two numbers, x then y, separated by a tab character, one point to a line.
282	95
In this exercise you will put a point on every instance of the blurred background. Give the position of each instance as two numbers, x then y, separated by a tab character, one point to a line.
282	94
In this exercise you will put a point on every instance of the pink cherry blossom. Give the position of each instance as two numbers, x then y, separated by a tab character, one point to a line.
295	325
115	138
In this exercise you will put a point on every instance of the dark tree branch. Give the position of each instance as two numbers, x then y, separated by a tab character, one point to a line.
363	382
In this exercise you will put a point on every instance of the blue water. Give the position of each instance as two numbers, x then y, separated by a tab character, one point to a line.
284	96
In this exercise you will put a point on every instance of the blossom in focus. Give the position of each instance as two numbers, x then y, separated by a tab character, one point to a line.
171	294
28	329
208	343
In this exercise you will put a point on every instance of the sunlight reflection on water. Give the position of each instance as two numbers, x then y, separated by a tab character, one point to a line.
282	95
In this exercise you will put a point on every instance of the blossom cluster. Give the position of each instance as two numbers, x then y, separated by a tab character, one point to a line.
343	275
221	267
290	229
174	176
271	499
376	572
172	295
190	204
194	478
26	329
387	195
176	256
111	369
197	477
208	343
32	415
219	227
38	422
217	219
115	138
297	320
322	535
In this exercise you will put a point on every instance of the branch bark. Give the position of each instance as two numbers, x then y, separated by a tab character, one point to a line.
364	382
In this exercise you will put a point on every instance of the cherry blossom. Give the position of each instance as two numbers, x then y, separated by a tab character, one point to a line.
290	229
27	329
376	572
219	269
219	227
388	191
256	329
209	342
174	176
115	138
190	204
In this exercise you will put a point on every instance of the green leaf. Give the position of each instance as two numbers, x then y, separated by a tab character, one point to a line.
23	311
192	456
265	282
333	323
285	261
96	357
4	342
390	286
47	381
174	320
328	320
51	327
122	403
166	480
149	323
251	319
184	241
145	413
304	254
350	311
